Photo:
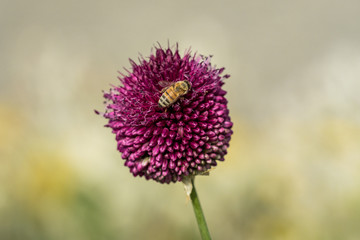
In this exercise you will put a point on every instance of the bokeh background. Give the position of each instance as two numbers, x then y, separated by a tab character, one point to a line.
293	169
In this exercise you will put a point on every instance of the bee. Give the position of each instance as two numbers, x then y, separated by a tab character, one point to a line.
172	91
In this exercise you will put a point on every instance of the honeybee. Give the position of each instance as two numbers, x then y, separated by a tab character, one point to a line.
172	91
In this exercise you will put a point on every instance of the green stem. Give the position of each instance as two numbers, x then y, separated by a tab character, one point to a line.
204	231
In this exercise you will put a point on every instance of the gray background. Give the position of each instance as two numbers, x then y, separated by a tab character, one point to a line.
292	171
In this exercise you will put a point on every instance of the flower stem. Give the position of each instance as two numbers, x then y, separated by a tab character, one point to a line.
200	218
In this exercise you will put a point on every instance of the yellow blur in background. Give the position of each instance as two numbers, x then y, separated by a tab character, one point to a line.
293	167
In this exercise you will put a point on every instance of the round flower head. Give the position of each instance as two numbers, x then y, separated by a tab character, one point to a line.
185	134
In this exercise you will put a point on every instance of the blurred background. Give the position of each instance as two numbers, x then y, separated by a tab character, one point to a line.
292	171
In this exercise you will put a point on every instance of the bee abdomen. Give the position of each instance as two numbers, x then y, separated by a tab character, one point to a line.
163	101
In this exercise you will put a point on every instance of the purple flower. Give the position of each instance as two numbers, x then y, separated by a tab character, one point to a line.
184	139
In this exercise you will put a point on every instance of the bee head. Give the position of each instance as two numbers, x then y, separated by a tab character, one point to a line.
188	85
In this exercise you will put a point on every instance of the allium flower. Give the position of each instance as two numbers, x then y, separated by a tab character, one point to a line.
184	139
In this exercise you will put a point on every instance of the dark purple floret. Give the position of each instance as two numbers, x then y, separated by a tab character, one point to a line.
187	138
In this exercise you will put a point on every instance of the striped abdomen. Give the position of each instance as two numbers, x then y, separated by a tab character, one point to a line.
168	97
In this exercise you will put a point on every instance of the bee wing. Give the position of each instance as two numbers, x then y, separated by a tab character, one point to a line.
165	84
